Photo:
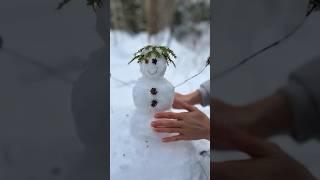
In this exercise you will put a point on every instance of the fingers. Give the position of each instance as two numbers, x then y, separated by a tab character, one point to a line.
182	105
176	94
168	115
167	130
173	138
168	123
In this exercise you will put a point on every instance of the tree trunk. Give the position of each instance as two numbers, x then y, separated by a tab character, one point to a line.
159	14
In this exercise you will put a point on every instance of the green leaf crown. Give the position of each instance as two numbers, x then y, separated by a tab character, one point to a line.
158	51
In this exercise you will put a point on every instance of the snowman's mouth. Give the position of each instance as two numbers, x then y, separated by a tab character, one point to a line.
152	71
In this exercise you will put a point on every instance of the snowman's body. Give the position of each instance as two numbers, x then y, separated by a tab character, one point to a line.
150	96
153	95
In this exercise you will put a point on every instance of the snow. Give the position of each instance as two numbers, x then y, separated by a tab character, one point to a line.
150	159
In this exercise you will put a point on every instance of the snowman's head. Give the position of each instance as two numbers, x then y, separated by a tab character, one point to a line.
153	60
153	67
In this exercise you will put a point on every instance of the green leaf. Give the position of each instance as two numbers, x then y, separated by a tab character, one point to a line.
154	50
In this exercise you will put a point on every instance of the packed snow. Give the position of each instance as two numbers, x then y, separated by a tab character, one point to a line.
148	159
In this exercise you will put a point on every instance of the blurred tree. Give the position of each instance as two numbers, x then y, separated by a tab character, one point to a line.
153	16
159	14
128	15
188	15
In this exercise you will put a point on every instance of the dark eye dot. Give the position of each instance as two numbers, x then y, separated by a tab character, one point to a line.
153	91
146	61
154	103
154	61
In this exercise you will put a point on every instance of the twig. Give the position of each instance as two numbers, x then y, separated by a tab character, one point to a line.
183	82
121	81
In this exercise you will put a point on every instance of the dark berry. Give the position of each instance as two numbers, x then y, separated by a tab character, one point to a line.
154	61
146	61
153	91
154	103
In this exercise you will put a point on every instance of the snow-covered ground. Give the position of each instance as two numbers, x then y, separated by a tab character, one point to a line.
123	77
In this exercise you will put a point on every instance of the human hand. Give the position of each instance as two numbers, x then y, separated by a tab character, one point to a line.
241	117
191	98
191	125
266	160
263	118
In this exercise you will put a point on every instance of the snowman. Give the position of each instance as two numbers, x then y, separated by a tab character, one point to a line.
152	92
147	157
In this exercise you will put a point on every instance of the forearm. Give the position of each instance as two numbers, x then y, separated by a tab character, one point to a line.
195	98
272	115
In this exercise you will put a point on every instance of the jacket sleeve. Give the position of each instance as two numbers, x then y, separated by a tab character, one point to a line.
205	93
303	90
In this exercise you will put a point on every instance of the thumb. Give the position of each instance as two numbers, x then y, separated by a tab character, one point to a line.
182	105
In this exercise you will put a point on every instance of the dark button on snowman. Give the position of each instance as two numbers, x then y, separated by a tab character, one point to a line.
152	93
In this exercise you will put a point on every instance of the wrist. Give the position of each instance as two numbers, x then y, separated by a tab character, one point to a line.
194	98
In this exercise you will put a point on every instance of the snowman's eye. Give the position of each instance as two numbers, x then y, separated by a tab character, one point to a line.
154	61
146	61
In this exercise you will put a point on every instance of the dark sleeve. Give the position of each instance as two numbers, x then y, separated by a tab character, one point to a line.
303	90
89	105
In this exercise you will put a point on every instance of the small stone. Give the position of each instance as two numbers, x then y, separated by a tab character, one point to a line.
204	153
153	91
154	103
123	155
